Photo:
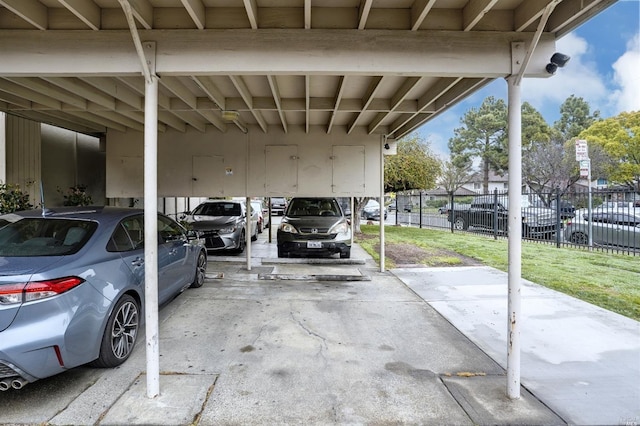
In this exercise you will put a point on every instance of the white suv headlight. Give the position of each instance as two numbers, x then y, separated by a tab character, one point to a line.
287	227
340	228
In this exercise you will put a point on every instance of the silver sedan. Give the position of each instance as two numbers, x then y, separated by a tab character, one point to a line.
72	286
607	229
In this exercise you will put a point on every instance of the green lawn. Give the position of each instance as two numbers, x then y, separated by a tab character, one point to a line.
611	281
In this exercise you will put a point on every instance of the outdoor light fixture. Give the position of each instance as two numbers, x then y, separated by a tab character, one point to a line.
558	60
230	116
234	117
386	146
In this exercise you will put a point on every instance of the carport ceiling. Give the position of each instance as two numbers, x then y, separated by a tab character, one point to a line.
383	66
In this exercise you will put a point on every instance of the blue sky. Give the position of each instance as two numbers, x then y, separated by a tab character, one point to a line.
604	70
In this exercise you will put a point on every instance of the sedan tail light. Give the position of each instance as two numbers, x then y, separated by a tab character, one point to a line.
25	292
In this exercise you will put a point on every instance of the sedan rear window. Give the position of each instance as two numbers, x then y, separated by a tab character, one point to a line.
32	237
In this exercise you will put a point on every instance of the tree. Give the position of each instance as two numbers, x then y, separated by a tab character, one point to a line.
413	167
548	161
535	130
575	116
483	136
619	137
454	176
539	151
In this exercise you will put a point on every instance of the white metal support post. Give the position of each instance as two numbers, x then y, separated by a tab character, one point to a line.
352	224
515	239
383	140
151	235
249	207
151	221
247	237
147	55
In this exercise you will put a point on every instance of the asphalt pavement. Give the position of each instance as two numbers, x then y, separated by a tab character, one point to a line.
339	342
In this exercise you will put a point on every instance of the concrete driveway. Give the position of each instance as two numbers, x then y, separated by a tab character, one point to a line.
328	343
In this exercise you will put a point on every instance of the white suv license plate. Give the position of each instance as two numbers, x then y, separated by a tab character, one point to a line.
314	244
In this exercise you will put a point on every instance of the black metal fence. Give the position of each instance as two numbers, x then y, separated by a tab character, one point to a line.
609	222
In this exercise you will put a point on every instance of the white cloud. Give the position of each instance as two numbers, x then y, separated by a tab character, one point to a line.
627	77
580	78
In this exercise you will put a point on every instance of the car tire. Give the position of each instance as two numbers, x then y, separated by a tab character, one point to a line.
242	242
282	253
460	224
579	238
201	269
120	334
345	254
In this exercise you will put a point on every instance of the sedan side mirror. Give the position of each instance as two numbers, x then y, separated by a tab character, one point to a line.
192	234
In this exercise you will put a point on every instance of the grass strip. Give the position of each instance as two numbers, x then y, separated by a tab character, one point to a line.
611	281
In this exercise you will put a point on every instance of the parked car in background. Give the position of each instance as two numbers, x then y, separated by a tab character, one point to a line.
258	212
405	205
345	204
222	224
491	213
314	227
278	205
615	206
608	228
611	207
72	286
371	211
566	209
457	206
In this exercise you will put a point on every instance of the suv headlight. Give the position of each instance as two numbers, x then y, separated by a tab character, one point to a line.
340	228
287	227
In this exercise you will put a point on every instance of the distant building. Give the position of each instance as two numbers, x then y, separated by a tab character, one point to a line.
496	182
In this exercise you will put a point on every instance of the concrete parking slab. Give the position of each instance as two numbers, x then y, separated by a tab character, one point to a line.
181	401
318	272
415	346
484	400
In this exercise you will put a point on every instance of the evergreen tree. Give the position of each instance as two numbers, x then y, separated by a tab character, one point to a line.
483	136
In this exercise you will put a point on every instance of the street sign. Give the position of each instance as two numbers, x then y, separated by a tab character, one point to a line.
585	165
582	150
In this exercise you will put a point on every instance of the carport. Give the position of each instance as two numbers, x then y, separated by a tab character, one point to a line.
264	97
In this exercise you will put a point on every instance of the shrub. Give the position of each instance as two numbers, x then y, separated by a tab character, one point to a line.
76	196
12	199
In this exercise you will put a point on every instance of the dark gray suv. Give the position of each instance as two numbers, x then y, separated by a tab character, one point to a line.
314	227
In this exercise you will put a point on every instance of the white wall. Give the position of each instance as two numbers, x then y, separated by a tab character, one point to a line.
3	147
71	159
22	155
314	166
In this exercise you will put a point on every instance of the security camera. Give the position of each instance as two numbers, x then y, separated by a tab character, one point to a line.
558	60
